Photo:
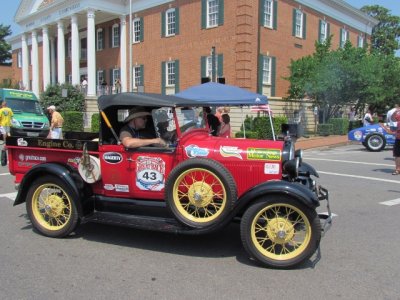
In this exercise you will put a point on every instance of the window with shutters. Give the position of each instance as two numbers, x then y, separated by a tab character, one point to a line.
115	36
137	76
344	36
268	13
212	13
136	30
360	41
100	39
299	24
100	76
323	31
266	78
170	73
170	22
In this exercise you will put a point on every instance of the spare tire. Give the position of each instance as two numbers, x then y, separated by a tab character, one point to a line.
200	192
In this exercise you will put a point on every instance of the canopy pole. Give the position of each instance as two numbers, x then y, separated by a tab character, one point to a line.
244	127
272	125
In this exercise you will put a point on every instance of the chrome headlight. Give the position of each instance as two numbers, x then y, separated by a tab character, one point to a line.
15	123
288	151
291	167
299	153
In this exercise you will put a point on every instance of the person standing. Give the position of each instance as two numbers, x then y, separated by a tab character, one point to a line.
396	146
6	115
56	123
212	121
117	85
391	121
368	120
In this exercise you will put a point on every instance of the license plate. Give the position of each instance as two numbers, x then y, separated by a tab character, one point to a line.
33	133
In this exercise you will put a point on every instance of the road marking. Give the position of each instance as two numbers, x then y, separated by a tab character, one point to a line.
390	202
361	177
10	196
350	162
4	174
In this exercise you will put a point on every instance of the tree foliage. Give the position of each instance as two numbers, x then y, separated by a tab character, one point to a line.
5	48
385	36
347	76
75	100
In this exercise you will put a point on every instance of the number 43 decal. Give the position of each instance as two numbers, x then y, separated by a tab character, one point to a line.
149	175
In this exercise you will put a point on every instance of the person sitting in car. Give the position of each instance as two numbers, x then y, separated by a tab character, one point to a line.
133	134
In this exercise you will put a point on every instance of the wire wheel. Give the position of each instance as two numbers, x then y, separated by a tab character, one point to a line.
375	142
280	234
51	207
200	192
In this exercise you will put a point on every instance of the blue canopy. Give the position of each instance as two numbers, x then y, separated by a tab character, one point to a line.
213	93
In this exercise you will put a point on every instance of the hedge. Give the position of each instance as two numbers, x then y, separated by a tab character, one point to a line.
260	127
73	121
325	129
340	126
95	122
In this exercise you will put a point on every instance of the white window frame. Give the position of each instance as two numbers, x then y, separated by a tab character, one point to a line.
212	13
115	36
100	39
267	70
343	37
100	76
324	31
170	74
361	41
136	30
269	13
19	59
115	75
136	77
209	69
70	78
299	23
170	22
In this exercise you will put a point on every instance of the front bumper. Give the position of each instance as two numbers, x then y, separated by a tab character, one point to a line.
326	217
29	132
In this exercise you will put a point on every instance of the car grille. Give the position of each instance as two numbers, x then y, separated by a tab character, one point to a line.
32	124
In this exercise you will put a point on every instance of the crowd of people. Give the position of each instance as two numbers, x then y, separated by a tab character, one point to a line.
103	87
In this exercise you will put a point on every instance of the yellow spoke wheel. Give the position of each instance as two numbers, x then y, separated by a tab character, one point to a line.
51	207
282	233
200	192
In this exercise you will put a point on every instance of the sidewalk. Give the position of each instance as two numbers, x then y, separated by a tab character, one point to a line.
321	141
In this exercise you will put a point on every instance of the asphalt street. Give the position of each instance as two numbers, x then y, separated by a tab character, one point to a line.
359	255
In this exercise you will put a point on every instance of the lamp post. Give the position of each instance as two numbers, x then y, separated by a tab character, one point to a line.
130	47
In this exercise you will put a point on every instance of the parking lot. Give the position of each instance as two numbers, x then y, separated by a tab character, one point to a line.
359	255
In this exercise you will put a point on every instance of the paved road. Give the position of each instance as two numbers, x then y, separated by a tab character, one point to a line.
360	257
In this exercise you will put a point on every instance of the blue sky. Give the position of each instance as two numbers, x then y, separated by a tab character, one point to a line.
9	8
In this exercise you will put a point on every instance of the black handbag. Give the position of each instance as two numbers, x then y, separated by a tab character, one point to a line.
3	158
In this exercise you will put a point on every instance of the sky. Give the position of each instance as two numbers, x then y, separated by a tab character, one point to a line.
9	8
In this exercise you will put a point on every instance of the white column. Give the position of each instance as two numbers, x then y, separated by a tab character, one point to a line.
53	60
35	64
60	52
75	50
46	58
91	53
123	74
25	63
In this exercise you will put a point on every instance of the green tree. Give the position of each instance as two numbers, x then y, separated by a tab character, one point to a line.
5	48
385	35
75	100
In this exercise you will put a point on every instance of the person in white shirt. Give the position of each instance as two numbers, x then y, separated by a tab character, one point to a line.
391	121
368	120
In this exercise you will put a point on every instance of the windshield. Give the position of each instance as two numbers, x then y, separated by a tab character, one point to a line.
24	106
190	118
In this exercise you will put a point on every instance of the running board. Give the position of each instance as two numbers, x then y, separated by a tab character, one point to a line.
143	222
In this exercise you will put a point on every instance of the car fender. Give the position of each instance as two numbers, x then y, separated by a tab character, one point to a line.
307	168
57	170
279	187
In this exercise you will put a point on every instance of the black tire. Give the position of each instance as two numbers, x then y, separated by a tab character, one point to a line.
200	192
51	207
375	142
280	232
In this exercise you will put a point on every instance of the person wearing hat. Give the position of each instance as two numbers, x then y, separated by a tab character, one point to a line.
56	123
131	134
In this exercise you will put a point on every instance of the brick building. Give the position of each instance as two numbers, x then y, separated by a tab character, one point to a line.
168	48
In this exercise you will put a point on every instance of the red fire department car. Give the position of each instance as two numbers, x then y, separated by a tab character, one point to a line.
198	184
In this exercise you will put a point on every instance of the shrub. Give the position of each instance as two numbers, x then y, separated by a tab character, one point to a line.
75	100
249	134
73	121
325	129
339	125
260	127
95	122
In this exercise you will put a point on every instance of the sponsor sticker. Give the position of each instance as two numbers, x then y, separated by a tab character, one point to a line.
22	142
230	151
23	157
358	135
195	151
123	188
112	157
109	187
263	154
271	168
150	173
74	160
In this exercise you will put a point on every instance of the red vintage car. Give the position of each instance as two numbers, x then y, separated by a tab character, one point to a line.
196	185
